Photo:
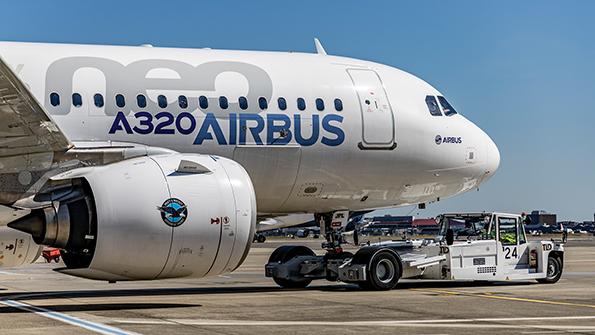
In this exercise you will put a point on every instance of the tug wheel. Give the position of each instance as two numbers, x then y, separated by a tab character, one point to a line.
286	253
383	273
554	271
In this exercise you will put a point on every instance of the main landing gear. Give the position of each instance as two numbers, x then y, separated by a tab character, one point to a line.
371	267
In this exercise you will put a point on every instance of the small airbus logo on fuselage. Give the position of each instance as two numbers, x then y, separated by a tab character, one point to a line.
448	139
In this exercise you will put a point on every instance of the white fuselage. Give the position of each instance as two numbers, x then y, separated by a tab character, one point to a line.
382	149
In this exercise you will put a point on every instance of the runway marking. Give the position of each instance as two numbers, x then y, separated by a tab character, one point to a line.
499	297
432	323
9	273
560	331
65	318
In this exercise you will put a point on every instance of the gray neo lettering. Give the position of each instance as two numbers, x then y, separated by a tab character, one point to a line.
130	80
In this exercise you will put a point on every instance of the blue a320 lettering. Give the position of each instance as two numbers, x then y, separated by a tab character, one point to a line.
270	129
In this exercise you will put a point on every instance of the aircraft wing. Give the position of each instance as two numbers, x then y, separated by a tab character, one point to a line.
25	128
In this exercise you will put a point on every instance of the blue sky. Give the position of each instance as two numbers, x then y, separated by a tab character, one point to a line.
524	71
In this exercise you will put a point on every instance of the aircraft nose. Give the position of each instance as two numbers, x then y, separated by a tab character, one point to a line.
493	156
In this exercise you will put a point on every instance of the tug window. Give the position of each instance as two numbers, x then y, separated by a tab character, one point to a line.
446	107
203	102
301	104
319	104
243	103
120	101
98	99
282	104
55	99
508	230
338	105
223	103
162	101
183	101
433	105
77	100
262	103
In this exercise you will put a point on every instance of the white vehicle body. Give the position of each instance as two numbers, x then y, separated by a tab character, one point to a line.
492	258
494	248
132	130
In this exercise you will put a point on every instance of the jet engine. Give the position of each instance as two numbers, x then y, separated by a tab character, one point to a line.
150	217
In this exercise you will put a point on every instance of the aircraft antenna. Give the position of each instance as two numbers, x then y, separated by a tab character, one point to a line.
319	48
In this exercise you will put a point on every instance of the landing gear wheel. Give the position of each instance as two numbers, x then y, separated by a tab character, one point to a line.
554	271
284	254
383	273
261	238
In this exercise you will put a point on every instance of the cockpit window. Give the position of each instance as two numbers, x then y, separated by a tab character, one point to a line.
433	105
446	107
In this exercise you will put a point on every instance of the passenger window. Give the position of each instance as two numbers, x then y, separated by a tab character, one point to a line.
77	100
433	105
55	99
183	101
120	101
243	103
508	230
282	104
141	101
446	107
203	102
301	104
223	103
319	104
162	101
98	99
338	105
262	103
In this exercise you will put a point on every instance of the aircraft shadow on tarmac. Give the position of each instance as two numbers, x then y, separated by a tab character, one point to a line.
225	290
99	307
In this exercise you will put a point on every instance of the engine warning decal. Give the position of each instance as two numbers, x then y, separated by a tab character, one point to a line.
221	219
173	212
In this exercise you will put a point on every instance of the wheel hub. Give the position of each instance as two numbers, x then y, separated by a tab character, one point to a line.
385	271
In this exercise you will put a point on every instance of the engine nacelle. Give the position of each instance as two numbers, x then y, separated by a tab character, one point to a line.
17	248
150	218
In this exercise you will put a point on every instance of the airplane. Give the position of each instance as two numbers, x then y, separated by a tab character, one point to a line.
101	145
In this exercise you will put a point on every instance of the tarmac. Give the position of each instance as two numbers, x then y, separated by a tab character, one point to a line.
36	300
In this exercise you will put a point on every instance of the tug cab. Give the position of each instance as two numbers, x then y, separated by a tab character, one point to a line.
494	246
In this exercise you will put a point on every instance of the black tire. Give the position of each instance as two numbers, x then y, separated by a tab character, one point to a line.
288	283
554	271
383	273
284	254
261	238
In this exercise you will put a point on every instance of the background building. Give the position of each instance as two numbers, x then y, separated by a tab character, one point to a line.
543	218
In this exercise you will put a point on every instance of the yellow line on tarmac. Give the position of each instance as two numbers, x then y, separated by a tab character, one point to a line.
499	297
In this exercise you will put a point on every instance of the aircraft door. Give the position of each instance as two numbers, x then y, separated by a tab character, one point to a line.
378	122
